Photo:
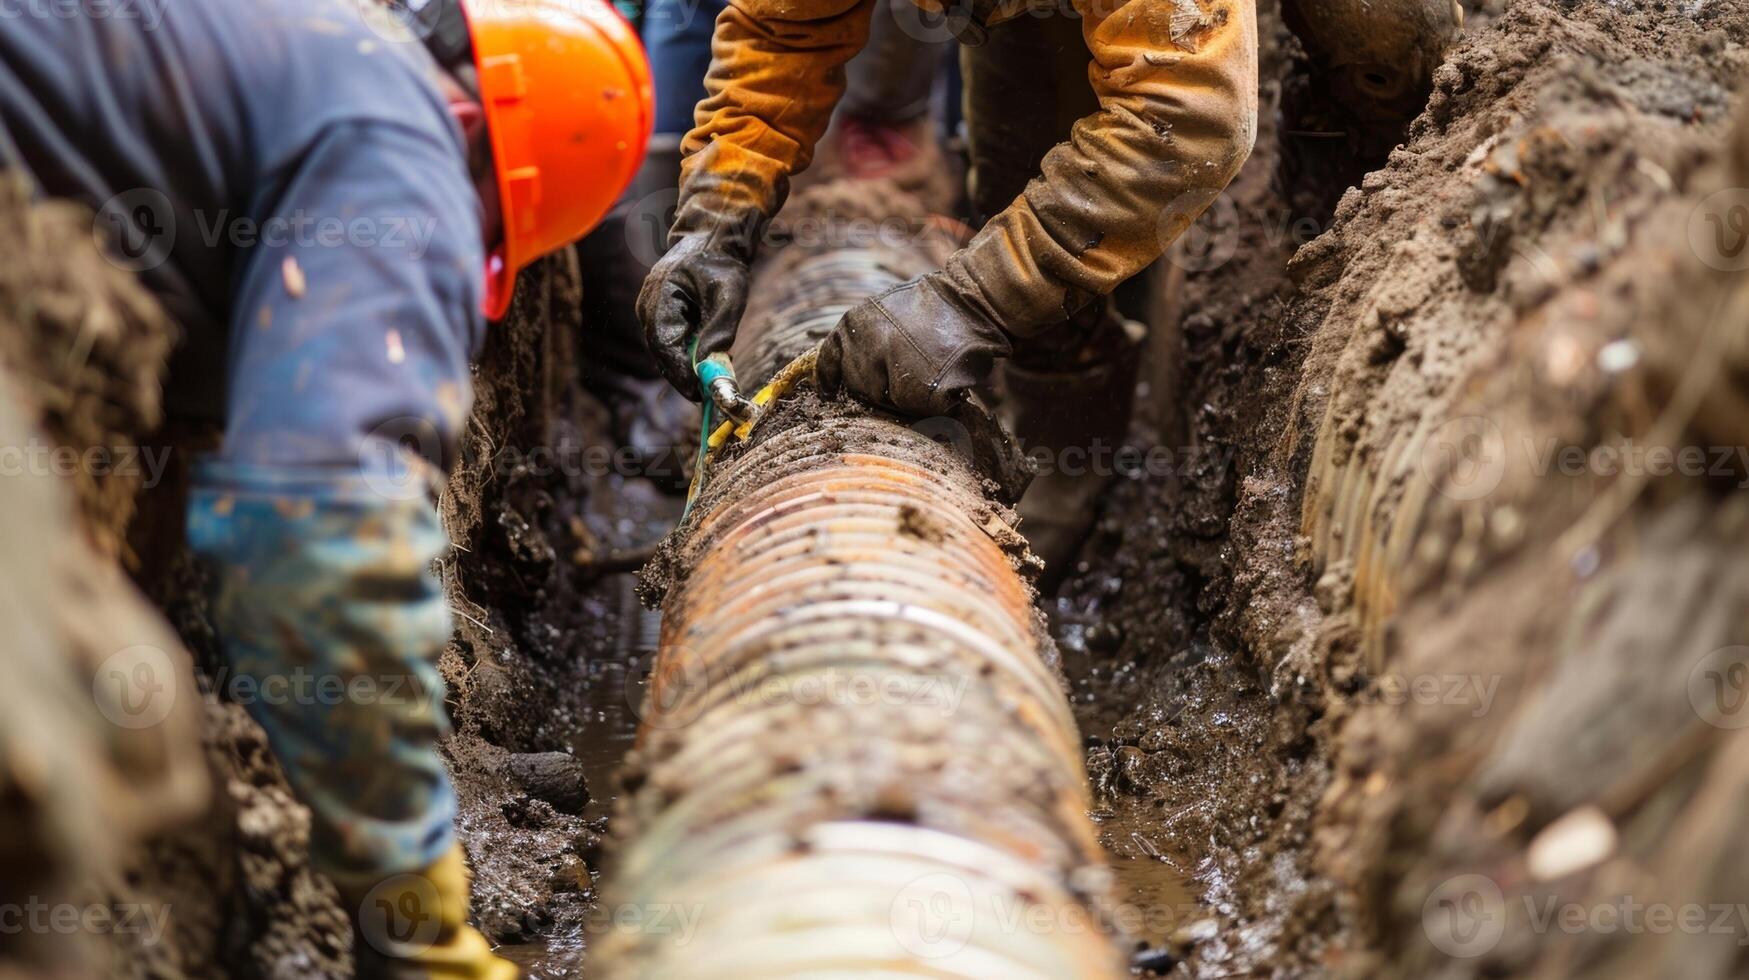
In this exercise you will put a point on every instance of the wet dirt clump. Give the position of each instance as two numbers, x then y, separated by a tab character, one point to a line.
1359	674
87	349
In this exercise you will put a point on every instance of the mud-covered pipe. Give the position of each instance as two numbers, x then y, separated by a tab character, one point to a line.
857	757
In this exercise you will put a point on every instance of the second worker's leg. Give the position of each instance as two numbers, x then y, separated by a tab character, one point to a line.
1069	392
317	529
1376	57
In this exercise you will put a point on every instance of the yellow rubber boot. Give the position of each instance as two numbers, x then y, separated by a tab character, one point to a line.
414	926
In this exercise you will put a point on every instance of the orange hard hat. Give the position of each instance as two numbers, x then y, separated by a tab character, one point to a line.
569	105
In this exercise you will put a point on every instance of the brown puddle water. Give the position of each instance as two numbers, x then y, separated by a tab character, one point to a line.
1155	893
613	692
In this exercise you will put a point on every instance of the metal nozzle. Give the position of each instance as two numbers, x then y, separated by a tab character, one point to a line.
726	395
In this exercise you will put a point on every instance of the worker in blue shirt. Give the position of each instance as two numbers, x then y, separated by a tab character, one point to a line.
332	204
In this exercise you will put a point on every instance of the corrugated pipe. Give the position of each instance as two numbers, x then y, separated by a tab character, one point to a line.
856	756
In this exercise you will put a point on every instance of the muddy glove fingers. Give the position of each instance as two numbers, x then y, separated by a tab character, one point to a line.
694	293
913	349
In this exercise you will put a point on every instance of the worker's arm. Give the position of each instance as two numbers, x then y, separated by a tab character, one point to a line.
777	70
358	307
1177	87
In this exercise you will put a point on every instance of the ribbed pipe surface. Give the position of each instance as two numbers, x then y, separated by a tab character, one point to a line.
857	758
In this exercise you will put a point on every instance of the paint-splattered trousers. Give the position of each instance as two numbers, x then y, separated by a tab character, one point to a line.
331	616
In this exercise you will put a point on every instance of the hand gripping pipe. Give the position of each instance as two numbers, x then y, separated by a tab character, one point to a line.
856	756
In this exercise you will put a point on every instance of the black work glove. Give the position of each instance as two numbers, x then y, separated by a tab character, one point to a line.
914	349
698	290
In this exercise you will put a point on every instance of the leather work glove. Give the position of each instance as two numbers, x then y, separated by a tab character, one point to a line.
914	349
1176	82
775	74
692	301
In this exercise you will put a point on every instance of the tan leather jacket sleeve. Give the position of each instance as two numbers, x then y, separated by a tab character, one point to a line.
1177	88
777	70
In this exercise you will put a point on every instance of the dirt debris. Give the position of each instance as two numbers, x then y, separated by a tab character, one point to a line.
915	522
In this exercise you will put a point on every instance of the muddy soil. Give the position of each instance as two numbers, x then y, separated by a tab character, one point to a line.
88	767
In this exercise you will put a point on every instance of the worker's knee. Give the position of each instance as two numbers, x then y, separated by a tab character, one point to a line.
1377	56
331	618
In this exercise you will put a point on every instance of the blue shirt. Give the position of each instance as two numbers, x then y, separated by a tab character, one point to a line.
287	179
